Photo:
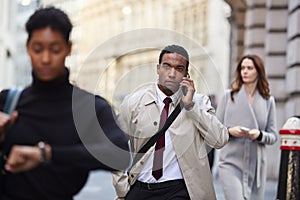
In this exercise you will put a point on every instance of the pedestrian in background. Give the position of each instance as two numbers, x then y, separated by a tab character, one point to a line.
184	171
248	110
45	157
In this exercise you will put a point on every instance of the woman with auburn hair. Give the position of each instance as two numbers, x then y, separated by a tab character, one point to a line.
248	110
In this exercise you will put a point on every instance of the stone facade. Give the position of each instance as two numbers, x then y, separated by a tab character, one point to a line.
271	29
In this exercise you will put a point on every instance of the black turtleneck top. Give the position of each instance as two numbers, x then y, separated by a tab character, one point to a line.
72	121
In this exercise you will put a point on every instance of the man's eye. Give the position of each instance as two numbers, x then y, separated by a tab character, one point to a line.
166	66
180	69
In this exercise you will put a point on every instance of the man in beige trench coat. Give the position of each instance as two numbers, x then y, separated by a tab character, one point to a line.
185	172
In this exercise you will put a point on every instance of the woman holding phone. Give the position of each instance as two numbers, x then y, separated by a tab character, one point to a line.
248	110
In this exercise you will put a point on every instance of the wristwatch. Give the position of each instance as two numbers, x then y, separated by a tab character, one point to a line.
189	106
42	146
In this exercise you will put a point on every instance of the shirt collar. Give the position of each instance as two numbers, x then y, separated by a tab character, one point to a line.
161	96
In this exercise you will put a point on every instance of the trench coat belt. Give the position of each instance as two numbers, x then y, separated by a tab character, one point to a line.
153	186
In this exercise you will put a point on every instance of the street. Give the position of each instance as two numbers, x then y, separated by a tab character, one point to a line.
99	187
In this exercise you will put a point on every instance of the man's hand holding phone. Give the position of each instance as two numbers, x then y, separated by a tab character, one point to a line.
188	90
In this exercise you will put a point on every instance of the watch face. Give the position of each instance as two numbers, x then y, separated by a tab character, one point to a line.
41	145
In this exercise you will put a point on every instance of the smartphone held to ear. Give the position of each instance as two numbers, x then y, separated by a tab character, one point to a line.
183	88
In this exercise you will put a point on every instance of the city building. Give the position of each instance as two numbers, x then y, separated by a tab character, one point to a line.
118	42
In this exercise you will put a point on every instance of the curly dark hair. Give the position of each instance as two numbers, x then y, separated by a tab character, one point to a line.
51	17
262	82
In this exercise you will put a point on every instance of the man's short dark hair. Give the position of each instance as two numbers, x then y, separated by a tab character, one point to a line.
51	17
175	49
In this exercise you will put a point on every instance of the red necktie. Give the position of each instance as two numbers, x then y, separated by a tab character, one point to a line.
160	144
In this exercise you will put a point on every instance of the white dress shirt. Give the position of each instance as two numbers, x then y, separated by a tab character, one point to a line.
171	169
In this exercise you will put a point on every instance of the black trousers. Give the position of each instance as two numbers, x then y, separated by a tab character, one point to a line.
169	190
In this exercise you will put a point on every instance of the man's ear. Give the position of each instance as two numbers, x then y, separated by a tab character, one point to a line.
157	68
